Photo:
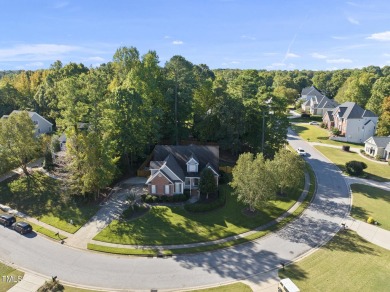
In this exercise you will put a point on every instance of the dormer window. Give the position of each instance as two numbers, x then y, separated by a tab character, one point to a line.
192	165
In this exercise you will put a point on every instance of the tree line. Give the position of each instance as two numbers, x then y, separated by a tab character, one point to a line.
131	103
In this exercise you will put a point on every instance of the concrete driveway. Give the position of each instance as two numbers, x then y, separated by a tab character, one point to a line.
248	261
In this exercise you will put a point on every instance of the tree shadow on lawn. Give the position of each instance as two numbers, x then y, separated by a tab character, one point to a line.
46	198
359	213
371	192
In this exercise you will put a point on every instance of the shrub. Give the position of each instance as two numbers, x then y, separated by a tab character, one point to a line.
355	168
305	115
323	125
206	206
51	286
345	148
149	199
163	198
377	157
370	220
155	199
362	151
336	131
143	197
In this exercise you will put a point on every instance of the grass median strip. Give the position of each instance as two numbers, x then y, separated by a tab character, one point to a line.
9	277
47	232
211	247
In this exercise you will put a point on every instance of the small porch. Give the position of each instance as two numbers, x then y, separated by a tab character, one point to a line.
191	183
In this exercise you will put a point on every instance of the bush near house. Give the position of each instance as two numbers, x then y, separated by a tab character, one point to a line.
147	198
205	206
355	168
336	131
345	148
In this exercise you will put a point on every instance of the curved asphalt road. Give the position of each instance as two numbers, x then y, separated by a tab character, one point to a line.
317	225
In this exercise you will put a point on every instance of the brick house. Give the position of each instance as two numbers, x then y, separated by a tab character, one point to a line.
176	168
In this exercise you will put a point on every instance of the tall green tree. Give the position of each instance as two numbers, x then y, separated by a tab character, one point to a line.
180	86
253	182
18	143
288	167
380	90
384	119
207	183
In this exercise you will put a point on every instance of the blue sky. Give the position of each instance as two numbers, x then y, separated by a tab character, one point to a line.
245	34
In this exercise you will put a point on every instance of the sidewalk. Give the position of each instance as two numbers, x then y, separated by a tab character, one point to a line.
29	283
17	171
112	209
357	180
369	232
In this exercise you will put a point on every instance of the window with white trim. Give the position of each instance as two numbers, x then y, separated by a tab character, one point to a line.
153	189
167	189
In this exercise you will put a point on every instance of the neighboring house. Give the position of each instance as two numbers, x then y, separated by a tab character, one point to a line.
176	168
41	124
309	92
378	147
354	123
319	105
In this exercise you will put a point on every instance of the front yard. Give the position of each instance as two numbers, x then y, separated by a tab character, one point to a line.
46	202
314	133
346	263
375	171
371	202
173	225
8	277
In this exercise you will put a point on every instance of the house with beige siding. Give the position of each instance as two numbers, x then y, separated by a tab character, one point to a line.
355	124
42	126
378	146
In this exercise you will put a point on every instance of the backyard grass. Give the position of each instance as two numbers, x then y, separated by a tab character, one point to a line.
7	283
346	263
371	202
173	225
314	133
46	202
375	171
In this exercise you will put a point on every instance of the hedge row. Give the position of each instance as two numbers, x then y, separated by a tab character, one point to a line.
207	206
147	198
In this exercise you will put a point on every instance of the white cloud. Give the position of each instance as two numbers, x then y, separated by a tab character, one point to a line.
36	52
247	37
318	56
353	20
291	55
96	59
386	55
271	54
35	64
339	61
380	36
177	42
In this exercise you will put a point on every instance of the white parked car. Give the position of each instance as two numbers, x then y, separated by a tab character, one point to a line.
301	151
313	123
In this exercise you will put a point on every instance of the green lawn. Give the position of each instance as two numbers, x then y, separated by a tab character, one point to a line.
314	133
173	225
346	263
7	283
236	287
375	171
46	202
371	202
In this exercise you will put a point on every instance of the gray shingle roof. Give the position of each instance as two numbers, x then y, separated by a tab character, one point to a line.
312	90
351	110
380	141
176	157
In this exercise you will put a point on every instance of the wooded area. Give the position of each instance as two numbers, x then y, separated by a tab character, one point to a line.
132	103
